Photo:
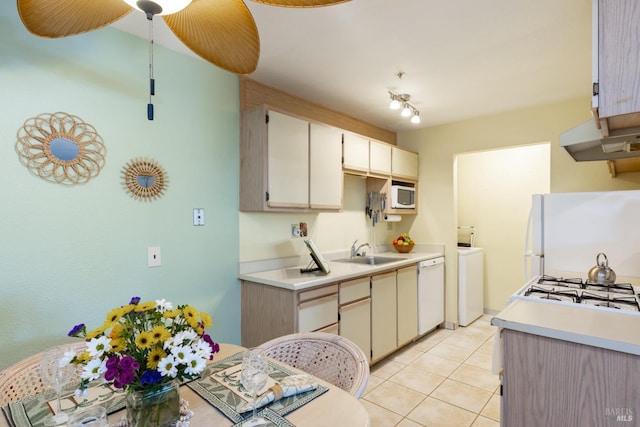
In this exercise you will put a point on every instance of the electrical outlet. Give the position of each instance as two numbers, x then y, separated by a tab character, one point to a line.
198	216
295	230
154	256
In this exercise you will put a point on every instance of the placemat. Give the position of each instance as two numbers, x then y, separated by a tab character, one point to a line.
220	390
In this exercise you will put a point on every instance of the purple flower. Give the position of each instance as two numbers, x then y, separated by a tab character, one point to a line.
134	300
128	363
117	383
150	377
126	377
77	330
111	374
215	347
112	362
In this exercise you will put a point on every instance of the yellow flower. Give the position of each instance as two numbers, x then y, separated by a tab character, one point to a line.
83	357
116	331
206	319
171	314
114	315
118	344
96	332
191	316
154	357
144	340
126	309
160	334
145	306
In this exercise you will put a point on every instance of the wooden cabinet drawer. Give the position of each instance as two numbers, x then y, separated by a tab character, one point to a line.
317	293
354	290
317	313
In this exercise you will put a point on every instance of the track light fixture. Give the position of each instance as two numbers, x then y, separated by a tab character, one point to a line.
408	110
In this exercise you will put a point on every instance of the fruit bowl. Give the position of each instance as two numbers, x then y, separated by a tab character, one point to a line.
405	249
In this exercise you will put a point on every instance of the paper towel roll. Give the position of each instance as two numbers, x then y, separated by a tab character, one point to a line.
392	218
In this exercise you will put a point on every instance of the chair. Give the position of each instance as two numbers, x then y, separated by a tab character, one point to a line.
22	379
330	357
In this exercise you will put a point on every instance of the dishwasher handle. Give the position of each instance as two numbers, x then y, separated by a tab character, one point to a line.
430	262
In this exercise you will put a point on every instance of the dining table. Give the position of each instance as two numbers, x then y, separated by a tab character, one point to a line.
333	407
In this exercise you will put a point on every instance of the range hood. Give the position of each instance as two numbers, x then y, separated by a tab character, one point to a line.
585	143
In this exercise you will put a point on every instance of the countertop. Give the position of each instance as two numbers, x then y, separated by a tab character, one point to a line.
291	278
604	329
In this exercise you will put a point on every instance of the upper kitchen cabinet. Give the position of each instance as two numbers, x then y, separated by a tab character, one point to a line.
288	164
379	158
616	64
404	164
355	154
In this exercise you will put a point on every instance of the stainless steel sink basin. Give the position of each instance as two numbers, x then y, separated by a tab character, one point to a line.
371	260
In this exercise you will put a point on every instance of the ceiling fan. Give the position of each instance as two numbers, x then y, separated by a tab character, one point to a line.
222	32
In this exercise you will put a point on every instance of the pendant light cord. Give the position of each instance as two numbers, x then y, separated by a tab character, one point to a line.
152	81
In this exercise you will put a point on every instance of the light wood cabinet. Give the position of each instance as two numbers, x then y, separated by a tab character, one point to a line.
407	288
616	57
288	163
318	309
384	312
355	313
404	164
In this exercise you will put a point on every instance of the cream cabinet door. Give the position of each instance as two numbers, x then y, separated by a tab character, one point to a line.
355	153
355	313
404	164
288	161
379	158
383	315
325	167
407	304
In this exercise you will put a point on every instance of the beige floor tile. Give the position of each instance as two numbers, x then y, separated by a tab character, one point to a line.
386	368
487	347
451	352
406	355
433	338
468	340
485	422
492	408
380	417
436	413
395	397
417	379
481	360
406	422
463	395
476	377
435	364
373	383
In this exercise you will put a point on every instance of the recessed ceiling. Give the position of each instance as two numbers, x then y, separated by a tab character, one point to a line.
462	59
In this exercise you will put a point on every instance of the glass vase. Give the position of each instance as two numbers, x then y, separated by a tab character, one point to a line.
157	407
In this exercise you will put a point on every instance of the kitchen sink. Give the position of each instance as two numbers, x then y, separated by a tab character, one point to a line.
371	260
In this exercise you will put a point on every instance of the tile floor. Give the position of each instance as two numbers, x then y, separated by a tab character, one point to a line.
442	380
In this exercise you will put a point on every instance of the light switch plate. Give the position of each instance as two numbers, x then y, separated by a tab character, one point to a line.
154	256
198	216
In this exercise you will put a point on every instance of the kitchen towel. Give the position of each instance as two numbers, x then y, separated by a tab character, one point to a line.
393	218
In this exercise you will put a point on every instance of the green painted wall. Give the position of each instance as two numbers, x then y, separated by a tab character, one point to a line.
68	254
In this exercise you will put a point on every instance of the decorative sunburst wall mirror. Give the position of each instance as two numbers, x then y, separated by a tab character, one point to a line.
60	148
144	179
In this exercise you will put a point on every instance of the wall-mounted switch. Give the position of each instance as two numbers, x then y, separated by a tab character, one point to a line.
154	256
198	216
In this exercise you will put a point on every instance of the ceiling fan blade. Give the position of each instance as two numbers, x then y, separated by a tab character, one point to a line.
62	18
300	3
222	32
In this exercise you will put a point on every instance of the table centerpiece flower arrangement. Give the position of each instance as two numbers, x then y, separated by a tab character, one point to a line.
146	349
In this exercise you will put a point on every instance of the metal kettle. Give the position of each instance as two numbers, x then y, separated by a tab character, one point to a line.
601	273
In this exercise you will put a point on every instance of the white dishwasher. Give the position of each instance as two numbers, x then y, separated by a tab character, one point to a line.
430	294
470	284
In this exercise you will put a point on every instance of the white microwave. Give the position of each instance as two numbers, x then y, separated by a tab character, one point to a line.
403	195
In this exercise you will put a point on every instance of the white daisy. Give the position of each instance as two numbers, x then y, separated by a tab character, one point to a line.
163	305
167	367
94	369
203	349
97	346
181	354
67	358
195	365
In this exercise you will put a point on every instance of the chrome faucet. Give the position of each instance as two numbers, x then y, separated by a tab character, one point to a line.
355	251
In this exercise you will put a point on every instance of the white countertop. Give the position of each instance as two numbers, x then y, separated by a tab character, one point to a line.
291	278
604	329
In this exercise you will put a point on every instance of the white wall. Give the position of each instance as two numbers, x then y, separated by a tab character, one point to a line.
494	190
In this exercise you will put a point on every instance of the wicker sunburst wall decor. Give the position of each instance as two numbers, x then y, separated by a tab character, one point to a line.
60	148
144	179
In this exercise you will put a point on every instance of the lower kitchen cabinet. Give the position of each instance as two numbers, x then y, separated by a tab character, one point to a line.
384	312
355	313
551	382
407	283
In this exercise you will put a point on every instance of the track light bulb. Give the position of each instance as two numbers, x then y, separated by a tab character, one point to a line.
415	119
395	104
406	111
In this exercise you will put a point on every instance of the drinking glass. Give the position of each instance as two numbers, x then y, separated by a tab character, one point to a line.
254	375
55	372
93	416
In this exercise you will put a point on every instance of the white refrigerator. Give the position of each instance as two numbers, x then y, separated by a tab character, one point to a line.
566	231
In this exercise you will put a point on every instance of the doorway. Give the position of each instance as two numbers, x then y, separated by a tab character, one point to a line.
493	194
